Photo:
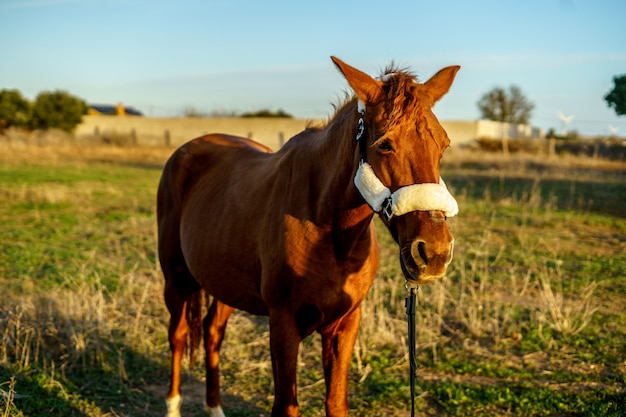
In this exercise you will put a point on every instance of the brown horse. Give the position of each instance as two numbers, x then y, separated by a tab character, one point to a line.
289	234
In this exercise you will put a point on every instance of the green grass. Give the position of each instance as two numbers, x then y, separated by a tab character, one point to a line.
530	321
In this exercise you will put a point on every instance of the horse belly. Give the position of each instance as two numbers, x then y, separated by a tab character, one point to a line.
220	251
231	285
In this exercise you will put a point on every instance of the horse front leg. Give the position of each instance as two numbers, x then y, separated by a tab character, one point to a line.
284	344
337	346
214	328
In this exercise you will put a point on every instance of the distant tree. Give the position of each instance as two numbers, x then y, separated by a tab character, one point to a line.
267	113
224	113
15	110
57	109
616	98
192	112
509	106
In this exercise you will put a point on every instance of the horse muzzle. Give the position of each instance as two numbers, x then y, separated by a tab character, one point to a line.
422	267
425	258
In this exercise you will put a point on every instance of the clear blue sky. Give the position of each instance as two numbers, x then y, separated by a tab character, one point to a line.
240	55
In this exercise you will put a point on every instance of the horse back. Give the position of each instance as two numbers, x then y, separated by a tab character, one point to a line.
194	159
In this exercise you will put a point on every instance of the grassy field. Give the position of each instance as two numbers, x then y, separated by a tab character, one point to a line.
530	321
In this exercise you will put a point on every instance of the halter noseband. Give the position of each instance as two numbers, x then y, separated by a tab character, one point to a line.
422	197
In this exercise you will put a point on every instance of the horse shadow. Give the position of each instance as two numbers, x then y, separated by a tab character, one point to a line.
126	383
25	393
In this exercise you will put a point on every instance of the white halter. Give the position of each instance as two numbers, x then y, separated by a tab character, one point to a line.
422	197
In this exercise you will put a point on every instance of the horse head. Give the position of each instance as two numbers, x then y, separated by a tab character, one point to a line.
397	161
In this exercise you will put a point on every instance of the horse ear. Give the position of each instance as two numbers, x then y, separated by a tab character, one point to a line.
439	84
366	88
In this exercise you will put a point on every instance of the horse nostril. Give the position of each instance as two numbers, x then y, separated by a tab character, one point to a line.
421	249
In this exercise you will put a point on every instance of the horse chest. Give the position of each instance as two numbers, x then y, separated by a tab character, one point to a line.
310	275
312	250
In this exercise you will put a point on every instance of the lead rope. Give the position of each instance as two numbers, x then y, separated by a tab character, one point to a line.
410	303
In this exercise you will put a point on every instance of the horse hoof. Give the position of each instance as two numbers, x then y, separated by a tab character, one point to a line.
173	406
214	411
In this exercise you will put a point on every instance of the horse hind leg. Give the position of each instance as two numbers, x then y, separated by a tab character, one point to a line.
178	293
177	335
214	328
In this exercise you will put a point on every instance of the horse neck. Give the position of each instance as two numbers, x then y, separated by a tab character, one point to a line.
335	151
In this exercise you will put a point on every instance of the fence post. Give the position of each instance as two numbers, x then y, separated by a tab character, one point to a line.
551	147
133	136
281	139
504	137
167	138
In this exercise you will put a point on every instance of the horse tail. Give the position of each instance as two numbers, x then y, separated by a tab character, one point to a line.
194	321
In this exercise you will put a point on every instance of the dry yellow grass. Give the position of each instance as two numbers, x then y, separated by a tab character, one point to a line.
531	282
59	147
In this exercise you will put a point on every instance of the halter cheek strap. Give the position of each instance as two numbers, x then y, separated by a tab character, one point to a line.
422	197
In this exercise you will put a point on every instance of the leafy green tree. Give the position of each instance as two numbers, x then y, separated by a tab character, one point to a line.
509	106
616	98
57	109
15	110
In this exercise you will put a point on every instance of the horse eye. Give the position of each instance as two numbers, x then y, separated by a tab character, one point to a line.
385	146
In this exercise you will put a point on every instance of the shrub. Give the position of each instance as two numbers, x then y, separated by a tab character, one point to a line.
268	113
57	109
15	110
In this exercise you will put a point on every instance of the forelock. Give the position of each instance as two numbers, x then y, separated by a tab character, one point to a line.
401	100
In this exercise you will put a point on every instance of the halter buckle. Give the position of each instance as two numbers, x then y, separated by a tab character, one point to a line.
360	128
387	209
